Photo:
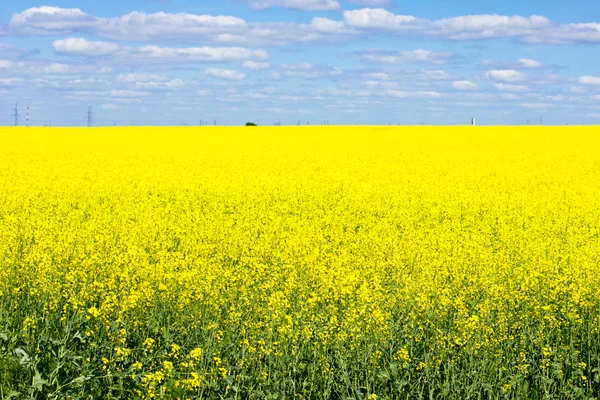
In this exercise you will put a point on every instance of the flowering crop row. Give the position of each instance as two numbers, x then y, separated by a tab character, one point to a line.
284	263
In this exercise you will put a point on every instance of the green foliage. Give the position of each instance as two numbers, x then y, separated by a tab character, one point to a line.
250	124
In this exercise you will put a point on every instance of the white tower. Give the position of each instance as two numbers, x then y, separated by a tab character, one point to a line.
472	121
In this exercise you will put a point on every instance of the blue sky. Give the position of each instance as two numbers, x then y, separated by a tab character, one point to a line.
342	61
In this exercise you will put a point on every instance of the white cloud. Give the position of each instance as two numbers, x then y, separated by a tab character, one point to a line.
380	19
156	54
522	63
509	96
48	20
458	28
304	5
191	54
127	93
326	25
506	87
378	76
464	85
309	71
528	63
403	56
536	106
82	47
577	89
134	78
110	107
567	33
42	67
194	28
371	3
11	82
589	80
160	85
374	84
434	74
180	27
10	52
224	74
255	65
71	84
505	75
533	29
417	94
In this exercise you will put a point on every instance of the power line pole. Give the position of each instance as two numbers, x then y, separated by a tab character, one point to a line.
89	116
16	114
28	116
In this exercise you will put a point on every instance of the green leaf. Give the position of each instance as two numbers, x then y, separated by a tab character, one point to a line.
38	383
78	336
22	354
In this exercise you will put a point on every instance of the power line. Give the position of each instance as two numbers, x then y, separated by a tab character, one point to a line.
16	114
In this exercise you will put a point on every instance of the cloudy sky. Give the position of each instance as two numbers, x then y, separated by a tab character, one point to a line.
160	62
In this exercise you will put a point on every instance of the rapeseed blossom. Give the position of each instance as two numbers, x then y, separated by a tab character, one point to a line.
331	262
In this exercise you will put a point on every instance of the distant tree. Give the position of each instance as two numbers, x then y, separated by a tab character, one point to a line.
250	124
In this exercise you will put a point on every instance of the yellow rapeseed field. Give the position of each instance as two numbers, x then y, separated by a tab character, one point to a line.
300	263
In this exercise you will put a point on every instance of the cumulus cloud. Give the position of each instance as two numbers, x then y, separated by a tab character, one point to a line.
156	54
179	27
191	54
404	56
127	93
522	63
505	75
416	94
82	47
461	27
137	77
309	71
223	29
304	5
172	84
528	63
532	29
589	80
8	52
464	85
434	74
255	65
71	84
224	74
11	82
326	25
47	20
506	87
371	3
577	90
378	76
536	106
37	68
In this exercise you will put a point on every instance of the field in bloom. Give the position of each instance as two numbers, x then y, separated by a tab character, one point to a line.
300	263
